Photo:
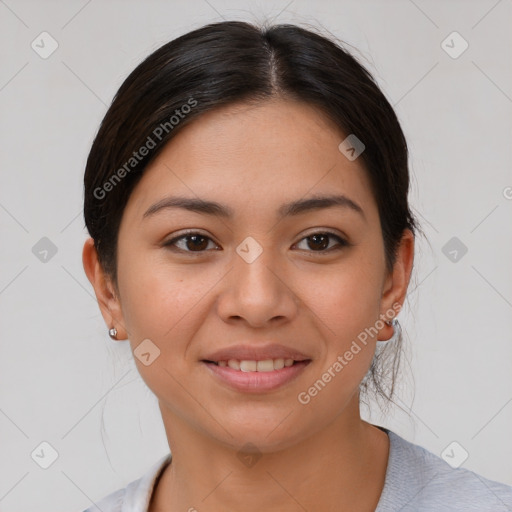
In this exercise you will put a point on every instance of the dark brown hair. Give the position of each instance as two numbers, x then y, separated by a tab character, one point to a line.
233	61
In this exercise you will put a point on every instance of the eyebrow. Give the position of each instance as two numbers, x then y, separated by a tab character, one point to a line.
286	210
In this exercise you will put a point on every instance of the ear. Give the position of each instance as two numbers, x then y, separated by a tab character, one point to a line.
396	283
108	301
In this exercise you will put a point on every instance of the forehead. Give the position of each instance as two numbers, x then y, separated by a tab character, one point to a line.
254	157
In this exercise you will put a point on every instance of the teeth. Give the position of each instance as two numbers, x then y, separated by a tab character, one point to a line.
233	363
267	365
249	366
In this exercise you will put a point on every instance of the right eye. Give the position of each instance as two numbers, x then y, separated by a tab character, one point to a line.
191	242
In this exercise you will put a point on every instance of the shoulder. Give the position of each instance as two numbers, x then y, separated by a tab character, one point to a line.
418	480
136	495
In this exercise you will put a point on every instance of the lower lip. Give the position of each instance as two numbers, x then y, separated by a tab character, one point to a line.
256	382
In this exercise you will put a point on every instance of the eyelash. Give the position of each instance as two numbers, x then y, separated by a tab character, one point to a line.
341	242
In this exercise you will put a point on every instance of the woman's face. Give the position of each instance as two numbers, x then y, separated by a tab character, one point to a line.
255	277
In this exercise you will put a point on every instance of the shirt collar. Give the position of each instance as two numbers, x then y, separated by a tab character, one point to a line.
138	493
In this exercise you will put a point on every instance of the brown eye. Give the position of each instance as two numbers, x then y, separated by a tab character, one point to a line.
319	242
196	242
191	242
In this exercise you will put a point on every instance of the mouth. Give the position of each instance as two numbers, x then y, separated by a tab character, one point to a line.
252	376
265	365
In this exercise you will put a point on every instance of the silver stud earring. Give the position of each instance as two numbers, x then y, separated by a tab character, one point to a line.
113	333
397	330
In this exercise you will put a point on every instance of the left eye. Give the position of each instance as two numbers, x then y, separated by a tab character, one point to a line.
197	242
320	241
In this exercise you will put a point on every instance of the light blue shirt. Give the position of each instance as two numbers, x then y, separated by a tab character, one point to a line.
416	481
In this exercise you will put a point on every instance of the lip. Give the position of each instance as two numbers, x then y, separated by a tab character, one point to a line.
256	382
252	352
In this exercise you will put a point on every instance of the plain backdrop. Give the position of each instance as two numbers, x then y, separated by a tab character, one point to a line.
64	382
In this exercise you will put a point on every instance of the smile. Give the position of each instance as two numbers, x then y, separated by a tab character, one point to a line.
266	365
253	376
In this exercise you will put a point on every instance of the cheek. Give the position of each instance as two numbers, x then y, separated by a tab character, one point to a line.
347	307
347	303
347	299
165	304
158	296
161	305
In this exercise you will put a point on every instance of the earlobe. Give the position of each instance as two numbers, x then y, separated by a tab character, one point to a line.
396	331
108	302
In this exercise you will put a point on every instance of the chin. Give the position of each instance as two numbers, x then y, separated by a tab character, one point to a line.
267	434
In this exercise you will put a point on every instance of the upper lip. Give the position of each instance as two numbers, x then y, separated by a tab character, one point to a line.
253	353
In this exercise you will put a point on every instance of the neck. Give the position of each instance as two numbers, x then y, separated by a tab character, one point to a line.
342	467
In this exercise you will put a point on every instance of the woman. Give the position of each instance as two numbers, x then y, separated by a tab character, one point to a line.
246	197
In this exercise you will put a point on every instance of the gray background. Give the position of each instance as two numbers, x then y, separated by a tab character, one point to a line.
63	381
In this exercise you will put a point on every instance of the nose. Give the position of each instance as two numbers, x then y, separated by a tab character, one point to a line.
259	293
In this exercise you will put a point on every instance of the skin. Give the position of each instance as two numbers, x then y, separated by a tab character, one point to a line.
253	158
